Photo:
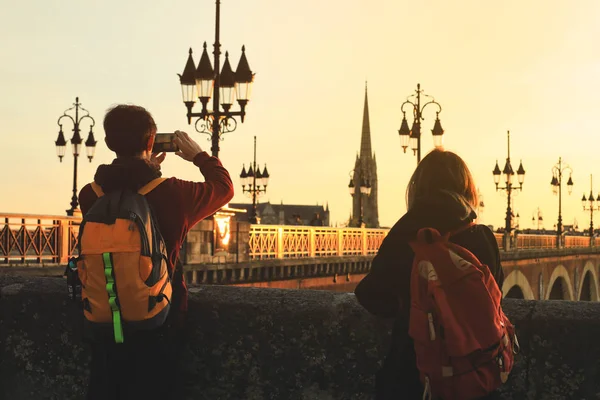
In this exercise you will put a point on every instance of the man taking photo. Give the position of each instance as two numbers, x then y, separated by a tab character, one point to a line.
143	363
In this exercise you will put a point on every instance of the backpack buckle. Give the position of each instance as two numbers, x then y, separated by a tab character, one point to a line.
426	390
431	327
73	282
516	348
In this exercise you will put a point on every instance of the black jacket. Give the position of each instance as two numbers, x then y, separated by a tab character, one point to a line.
385	291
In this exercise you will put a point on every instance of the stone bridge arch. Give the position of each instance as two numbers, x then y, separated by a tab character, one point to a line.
560	286
588	288
516	285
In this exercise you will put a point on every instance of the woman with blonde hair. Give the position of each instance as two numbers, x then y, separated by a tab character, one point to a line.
441	194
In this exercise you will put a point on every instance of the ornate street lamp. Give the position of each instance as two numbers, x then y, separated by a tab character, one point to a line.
593	205
223	85
556	183
364	189
76	141
412	136
254	183
508	174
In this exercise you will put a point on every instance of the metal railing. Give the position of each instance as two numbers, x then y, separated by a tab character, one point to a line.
282	241
499	237
29	238
528	241
533	241
577	241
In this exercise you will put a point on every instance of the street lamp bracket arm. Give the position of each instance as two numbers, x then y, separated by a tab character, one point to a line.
358	171
202	115
75	105
87	113
559	171
414	106
432	102
87	116
227	124
254	191
204	127
63	116
510	187
230	114
204	123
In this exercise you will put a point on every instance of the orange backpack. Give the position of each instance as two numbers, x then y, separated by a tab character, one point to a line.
122	263
464	343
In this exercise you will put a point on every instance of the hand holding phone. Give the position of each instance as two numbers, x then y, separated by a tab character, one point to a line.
165	142
188	148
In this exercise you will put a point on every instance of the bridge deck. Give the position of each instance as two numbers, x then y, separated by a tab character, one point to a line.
27	239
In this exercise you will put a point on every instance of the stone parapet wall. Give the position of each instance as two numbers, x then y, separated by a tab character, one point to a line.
259	344
533	254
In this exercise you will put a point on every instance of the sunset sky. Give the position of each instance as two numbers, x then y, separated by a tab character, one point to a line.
531	67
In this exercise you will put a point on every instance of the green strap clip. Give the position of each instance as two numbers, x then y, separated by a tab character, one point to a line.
112	298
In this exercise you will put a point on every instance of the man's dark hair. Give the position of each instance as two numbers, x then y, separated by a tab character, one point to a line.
128	129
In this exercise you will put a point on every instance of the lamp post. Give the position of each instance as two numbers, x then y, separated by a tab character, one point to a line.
537	217
557	173
254	183
593	205
364	189
480	205
508	174
516	219
227	84
76	141
413	135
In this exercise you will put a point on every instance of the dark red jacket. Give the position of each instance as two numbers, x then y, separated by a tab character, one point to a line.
178	204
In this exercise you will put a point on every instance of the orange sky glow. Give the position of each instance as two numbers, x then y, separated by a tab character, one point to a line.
529	67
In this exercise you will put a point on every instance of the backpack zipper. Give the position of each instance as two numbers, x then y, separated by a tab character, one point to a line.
143	234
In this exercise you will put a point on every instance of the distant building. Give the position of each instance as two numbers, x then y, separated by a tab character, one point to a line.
366	161
286	214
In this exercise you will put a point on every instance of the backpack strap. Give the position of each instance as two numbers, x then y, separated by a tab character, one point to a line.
97	189
150	186
147	188
462	228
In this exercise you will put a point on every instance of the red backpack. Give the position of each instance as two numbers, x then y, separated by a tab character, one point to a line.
464	343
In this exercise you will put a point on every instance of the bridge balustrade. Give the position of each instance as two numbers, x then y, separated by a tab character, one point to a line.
577	241
528	241
534	241
282	241
33	238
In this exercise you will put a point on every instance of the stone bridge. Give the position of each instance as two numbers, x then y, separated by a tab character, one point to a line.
552	274
222	251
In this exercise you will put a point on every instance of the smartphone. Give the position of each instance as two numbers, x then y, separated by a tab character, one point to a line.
163	142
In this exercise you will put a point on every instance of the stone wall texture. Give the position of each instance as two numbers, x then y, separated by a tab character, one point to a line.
250	343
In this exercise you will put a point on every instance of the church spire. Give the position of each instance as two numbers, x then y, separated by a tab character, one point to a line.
365	140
